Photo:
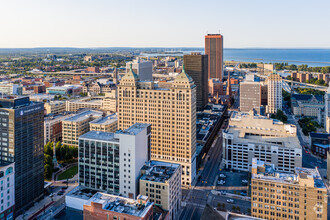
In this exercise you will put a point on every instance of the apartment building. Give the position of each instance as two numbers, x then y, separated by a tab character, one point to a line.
297	195
170	111
253	136
274	97
111	162
75	126
108	123
7	190
107	206
94	102
55	107
53	127
161	182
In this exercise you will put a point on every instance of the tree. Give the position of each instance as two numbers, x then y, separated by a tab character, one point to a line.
280	116
48	172
238	209
48	149
48	159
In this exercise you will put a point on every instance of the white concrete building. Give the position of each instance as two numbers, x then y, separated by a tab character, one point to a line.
142	68
10	88
111	162
252	136
7	191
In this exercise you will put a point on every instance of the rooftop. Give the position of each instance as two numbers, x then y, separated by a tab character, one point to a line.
121	204
109	119
99	135
134	129
83	115
300	174
157	171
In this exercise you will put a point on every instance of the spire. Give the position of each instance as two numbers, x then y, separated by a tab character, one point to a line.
228	85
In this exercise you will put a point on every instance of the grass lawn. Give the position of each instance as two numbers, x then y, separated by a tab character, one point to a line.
68	174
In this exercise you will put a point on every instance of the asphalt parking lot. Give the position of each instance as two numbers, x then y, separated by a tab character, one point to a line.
234	178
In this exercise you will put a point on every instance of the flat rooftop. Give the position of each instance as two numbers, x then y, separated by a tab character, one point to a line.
121	204
134	129
157	171
52	116
88	100
83	115
109	119
100	136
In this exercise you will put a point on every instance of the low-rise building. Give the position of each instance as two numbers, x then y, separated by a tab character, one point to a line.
94	102
65	90
276	195
10	88
308	105
53	127
7	179
75	126
110	102
111	162
161	182
107	206
55	107
97	88
253	136
108	123
320	143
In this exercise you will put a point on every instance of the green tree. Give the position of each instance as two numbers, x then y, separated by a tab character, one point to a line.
48	172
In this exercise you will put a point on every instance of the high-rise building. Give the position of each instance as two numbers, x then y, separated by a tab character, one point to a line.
195	66
7	178
253	136
274	83
250	96
161	182
142	68
214	50
297	195
22	142
172	113
111	162
327	110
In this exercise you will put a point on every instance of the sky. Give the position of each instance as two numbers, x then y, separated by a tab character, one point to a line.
171	23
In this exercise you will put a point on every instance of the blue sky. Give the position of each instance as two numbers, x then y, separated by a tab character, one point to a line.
171	23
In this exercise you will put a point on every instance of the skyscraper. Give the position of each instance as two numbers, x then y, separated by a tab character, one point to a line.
327	111
172	113
250	96
22	141
195	66
214	50
274	82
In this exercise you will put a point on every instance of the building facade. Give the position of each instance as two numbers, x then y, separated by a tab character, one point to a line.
298	195
75	126
250	96
108	123
22	135
252	136
111	162
55	107
53	127
327	110
308	105
7	192
274	83
170	111
195	66
142	68
214	50
161	182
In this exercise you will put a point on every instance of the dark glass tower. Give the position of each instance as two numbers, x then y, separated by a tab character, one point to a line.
22	136
196	66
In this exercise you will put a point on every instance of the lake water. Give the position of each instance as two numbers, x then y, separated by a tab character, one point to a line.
311	57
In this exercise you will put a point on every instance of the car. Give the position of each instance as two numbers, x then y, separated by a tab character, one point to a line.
222	176
64	187
243	194
245	181
230	201
223	193
60	193
221	182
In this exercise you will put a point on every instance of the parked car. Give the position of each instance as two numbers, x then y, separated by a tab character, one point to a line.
245	182
60	193
221	182
230	201
223	193
243	194
222	176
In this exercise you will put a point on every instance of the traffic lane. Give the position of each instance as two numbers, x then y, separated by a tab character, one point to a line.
243	204
310	161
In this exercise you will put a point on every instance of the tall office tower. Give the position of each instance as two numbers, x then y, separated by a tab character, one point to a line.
301	194
172	113
111	162
274	83
22	135
253	136
250	96
214	50
142	68
195	66
327	110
